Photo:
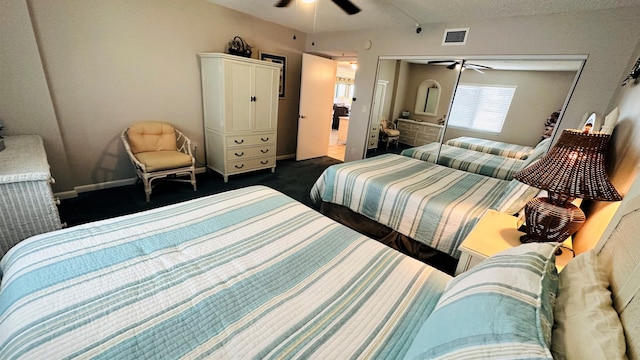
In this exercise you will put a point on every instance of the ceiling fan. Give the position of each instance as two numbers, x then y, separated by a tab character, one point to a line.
454	63
345	5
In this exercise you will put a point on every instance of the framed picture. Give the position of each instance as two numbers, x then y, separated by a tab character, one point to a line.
280	59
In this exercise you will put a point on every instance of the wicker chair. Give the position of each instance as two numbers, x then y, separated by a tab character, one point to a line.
159	151
388	134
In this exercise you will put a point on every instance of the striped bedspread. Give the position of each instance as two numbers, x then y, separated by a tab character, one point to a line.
492	147
432	204
496	166
245	274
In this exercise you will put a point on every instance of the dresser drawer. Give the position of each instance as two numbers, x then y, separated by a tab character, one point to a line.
422	138
240	166
403	126
406	139
250	152
251	139
373	135
429	130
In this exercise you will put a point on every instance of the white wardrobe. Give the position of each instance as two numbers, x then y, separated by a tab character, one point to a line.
240	104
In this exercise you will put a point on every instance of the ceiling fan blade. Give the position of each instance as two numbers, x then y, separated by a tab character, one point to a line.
453	65
347	6
478	66
439	61
282	3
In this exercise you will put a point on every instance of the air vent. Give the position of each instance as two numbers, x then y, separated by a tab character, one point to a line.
455	36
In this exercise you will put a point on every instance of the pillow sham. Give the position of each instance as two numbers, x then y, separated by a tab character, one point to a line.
586	324
502	308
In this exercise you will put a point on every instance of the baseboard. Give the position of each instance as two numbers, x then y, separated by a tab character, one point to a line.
66	195
105	185
285	157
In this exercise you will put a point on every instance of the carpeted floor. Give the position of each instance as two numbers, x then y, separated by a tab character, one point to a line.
293	178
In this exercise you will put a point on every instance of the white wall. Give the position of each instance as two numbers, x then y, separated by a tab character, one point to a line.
26	106
623	158
78	72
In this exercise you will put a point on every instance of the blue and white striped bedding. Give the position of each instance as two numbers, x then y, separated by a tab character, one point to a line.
492	147
496	166
432	204
245	274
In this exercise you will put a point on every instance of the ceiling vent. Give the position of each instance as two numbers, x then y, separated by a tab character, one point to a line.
455	36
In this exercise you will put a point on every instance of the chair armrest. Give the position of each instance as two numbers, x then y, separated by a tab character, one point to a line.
183	143
127	148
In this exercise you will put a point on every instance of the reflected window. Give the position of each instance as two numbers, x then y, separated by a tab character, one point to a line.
481	107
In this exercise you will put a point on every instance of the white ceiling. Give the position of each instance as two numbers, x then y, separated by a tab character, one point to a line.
379	14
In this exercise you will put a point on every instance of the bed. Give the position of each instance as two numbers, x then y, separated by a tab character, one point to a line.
427	203
496	166
491	147
252	273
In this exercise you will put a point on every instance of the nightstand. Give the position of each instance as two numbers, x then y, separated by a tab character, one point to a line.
495	232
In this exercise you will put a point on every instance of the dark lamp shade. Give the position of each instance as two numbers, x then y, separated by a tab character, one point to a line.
573	167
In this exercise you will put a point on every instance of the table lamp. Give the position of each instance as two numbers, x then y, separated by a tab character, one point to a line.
573	168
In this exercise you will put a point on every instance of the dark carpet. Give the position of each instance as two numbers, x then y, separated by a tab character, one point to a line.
293	178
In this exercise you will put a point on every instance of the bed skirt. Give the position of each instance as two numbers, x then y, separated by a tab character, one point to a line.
404	244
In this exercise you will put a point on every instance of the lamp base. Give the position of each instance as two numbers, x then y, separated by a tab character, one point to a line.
549	222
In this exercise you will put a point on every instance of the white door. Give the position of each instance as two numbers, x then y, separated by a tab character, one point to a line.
376	113
316	106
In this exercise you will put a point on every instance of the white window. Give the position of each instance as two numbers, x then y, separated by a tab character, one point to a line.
481	107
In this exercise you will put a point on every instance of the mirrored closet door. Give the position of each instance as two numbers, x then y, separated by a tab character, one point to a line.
503	98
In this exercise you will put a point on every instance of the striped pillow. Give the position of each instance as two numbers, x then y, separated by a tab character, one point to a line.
502	308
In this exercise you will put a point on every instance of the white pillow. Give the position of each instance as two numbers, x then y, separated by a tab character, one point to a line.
500	309
610	121
586	324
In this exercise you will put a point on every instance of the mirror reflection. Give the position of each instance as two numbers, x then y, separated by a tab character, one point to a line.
428	98
502	109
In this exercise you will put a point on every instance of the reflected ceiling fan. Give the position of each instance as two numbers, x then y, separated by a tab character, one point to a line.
345	5
454	63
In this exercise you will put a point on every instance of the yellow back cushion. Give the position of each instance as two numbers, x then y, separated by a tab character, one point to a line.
151	136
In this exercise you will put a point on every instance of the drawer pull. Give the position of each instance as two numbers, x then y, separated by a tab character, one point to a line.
238	142
263	139
239	166
241	154
264	162
375	128
264	151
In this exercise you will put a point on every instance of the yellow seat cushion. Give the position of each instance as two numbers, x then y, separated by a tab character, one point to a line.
163	160
151	136
391	132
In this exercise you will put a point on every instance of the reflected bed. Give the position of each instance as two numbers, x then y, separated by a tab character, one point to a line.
499	167
492	147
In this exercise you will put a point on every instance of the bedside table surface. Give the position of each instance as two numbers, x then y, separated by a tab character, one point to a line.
497	231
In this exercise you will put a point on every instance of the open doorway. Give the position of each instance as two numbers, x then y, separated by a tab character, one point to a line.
343	95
